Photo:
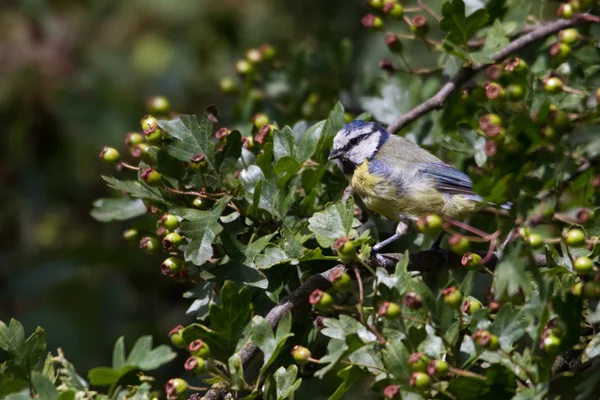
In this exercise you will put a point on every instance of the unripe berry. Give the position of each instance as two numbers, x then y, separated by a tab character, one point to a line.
169	221
321	300
393	42
471	305
551	344
548	132
575	237
195	365
389	310
176	337
486	340
418	362
394	10
419	26
490	148
149	124
346	250
583	265
197	162
458	244
152	177
376	4
493	91
171	266
452	296
575	4
577	289
254	56
438	368
584	215
267	51
222	133
130	235
243	67
560	50
471	261
420	381
149	244
597	95
199	203
568	36
109	155
553	85
412	301
301	355
259	120
340	280
591	290
515	91
199	348
494	72
391	392
176	388
171	241
227	85
516	66
430	224
565	10
248	142
133	139
372	22
157	105
535	241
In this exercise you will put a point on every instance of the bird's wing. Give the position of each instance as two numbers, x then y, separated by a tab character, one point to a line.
447	179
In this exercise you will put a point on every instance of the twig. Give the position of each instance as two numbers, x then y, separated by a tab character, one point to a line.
466	73
361	299
428	10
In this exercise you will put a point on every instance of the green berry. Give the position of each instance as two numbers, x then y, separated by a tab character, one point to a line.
268	52
158	105
452	296
438	368
149	244
418	362
199	203
176	337
494	91
516	66
198	162
551	344
487	340
515	91
577	289
243	67
535	241
394	10
254	56
301	355
372	22
430	224
471	305
560	50
565	10
149	124
321	300
376	4
133	139
591	290
583	265
195	365
568	36
176	387
110	155
340	280
228	85
346	250
169	221
199	348
152	177
171	266
548	132
419	26
259	120
458	244
130	235
389	310
393	42
171	241
154	138
472	261
420	381
575	237
553	85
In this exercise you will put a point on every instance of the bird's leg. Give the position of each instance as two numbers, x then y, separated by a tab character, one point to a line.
436	247
401	229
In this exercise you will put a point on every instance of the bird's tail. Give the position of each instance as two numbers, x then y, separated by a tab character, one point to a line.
506	206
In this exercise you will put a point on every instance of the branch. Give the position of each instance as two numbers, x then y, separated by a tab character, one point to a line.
466	73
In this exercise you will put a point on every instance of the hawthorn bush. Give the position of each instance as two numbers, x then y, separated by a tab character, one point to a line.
274	251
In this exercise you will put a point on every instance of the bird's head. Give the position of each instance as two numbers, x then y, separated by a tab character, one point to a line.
356	142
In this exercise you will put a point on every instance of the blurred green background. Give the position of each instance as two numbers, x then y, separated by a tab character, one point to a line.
74	76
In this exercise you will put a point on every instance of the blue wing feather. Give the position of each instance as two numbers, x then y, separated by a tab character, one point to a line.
448	179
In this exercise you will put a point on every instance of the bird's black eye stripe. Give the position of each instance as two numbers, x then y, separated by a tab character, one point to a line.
354	141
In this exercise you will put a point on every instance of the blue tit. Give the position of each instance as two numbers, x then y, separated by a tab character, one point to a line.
398	179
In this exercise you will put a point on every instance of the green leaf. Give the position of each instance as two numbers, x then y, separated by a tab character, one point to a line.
332	223
459	26
203	295
226	159
340	328
201	227
104	376
24	354
496	38
283	144
285	382
44	387
336	349
270	345
350	376
395	359
193	138
118	358
509	326
308	143
592	350
135	189
107	210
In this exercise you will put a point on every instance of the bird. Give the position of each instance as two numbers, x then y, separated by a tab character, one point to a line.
399	180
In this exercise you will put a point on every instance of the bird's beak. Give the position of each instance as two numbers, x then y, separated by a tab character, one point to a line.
335	154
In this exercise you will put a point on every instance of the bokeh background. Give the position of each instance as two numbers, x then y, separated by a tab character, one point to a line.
74	76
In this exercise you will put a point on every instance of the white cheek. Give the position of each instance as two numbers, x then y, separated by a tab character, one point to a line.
364	150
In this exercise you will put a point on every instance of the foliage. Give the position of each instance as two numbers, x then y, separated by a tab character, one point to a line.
261	215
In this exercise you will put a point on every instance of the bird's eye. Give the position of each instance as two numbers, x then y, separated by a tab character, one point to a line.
354	141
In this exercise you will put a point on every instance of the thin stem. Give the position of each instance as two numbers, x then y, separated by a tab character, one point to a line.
467	374
429	10
380	338
129	166
364	365
575	91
